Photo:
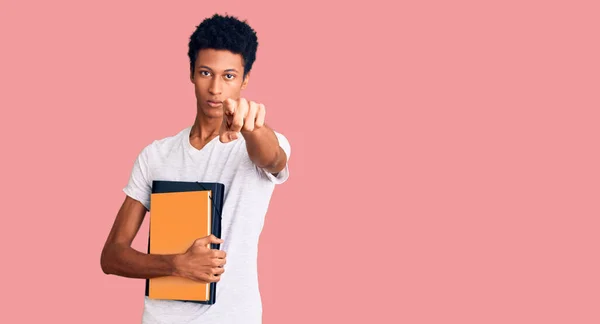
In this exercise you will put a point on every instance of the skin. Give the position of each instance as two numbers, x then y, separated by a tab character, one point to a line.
218	76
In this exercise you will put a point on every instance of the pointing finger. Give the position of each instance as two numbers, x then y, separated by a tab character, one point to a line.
229	106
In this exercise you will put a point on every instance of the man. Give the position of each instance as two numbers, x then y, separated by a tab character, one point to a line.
230	143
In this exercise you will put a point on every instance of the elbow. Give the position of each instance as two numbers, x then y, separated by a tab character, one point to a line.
105	262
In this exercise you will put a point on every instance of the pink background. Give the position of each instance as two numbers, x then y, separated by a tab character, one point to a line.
445	155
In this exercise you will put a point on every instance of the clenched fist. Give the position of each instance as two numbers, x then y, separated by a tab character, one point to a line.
200	263
240	115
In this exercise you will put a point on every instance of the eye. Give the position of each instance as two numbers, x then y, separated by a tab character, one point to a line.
205	73
229	76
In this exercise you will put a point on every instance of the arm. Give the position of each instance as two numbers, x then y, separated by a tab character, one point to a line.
119	258
264	149
262	143
198	263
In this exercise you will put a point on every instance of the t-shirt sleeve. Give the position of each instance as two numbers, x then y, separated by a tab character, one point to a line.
284	174
140	185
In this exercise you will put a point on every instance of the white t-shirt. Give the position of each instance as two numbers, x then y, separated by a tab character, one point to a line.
248	190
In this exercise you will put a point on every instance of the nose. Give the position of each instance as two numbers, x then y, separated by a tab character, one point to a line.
215	87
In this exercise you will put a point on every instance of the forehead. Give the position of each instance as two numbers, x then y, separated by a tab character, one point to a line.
219	60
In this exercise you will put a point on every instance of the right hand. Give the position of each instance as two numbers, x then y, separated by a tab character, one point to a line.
200	263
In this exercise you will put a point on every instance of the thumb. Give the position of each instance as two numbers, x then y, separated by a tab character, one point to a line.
225	133
207	240
228	136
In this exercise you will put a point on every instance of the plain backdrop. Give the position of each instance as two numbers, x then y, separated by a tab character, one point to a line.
444	169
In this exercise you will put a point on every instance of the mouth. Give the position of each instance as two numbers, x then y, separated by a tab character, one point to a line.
214	104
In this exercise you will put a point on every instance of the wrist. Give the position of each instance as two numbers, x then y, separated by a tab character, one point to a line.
175	263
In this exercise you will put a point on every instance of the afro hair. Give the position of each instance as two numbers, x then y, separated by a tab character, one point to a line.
224	33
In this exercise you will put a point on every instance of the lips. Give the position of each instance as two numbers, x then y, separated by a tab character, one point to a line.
214	104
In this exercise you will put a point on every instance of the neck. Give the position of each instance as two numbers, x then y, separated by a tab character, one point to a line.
205	128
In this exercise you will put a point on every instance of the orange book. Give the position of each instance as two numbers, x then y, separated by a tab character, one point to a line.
177	219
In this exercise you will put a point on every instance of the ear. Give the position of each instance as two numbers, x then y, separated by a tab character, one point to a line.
246	80
192	76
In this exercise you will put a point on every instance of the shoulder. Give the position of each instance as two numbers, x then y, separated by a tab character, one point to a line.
166	144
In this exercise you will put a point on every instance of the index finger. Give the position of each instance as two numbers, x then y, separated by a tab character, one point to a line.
229	106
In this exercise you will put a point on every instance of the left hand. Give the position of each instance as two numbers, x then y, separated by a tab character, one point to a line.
240	116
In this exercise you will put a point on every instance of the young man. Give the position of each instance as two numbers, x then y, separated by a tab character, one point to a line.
230	143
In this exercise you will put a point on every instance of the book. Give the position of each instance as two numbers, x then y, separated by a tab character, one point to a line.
180	213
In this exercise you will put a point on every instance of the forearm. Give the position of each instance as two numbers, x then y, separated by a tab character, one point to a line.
264	150
125	261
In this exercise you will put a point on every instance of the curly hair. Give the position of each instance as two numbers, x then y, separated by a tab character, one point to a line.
224	33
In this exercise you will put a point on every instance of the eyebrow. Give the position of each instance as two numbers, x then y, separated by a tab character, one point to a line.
228	70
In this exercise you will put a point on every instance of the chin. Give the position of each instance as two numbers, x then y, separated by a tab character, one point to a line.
212	112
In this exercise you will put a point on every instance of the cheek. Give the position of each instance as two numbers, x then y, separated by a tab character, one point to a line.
234	88
199	87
